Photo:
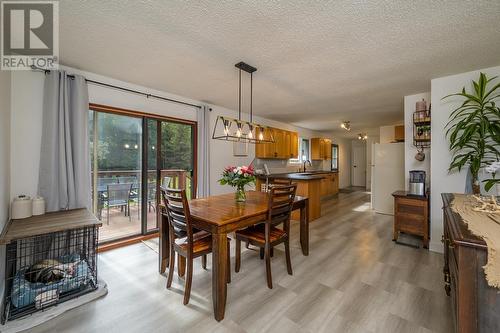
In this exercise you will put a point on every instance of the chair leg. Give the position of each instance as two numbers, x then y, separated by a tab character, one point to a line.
128	210
228	270
171	267
261	252
287	255
247	245
237	257
181	265
107	217
188	280
268	266
204	261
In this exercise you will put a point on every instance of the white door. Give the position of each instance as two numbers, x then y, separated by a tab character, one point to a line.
359	165
388	175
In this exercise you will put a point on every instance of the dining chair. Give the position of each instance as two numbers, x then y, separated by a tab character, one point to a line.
184	240
118	195
267	235
280	182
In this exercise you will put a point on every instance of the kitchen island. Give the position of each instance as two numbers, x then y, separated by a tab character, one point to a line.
314	185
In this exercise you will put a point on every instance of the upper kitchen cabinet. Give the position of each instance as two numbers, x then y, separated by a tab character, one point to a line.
285	146
321	149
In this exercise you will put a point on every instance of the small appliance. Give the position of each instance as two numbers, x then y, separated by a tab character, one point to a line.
417	182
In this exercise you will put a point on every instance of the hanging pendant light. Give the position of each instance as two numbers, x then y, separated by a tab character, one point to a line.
244	131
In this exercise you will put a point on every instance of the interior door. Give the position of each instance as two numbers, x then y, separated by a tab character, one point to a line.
359	165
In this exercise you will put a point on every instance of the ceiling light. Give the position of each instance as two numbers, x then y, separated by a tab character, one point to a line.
223	124
346	125
362	136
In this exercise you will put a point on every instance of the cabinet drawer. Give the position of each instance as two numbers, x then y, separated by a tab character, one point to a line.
409	207
413	224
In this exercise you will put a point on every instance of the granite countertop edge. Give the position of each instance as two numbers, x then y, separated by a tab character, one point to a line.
297	176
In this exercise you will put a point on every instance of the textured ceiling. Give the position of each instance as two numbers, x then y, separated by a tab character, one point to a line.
318	63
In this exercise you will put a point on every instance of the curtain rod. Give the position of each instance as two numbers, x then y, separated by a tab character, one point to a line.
46	71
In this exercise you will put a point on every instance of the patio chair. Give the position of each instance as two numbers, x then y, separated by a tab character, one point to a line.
119	196
102	189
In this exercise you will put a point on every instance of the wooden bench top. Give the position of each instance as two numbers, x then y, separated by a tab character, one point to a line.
48	223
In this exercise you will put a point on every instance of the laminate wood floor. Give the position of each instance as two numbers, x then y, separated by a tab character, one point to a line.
354	280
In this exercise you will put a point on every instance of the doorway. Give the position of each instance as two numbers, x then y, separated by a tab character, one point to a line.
358	159
132	155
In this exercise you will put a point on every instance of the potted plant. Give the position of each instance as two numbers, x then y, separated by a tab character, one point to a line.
238	177
473	129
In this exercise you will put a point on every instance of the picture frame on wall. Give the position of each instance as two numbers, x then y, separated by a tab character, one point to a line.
240	148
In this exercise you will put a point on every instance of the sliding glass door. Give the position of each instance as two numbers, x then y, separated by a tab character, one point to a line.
132	156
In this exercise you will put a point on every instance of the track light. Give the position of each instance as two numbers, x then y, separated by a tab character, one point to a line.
346	125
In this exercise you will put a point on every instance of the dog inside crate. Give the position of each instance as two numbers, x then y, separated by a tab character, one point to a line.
50	268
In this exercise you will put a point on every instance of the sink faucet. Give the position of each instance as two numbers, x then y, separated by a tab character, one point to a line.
306	162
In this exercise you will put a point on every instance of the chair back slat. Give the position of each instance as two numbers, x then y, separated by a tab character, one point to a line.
280	204
177	211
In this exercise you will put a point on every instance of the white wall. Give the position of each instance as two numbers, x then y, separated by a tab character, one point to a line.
410	151
344	161
27	119
5	97
441	180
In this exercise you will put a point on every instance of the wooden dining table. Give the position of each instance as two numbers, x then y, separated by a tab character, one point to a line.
220	215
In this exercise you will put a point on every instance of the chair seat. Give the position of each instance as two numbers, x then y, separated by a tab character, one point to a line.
257	234
202	242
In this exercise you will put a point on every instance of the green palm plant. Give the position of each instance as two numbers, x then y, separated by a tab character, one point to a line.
473	129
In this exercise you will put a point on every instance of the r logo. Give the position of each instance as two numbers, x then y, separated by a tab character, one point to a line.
28	28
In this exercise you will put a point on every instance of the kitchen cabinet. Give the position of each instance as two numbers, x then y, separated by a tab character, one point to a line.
329	184
285	146
321	149
399	133
294	145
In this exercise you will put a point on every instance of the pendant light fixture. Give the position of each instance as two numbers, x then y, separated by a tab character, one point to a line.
237	130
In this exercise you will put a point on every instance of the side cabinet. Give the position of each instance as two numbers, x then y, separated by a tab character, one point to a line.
475	305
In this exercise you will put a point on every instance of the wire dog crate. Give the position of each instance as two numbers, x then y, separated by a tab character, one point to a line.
49	268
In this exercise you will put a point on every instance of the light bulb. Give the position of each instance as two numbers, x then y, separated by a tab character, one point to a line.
250	132
127	146
136	146
261	134
238	131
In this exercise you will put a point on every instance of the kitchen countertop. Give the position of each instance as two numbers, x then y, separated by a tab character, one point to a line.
309	175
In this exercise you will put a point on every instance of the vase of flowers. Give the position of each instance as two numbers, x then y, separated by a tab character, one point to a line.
492	168
238	177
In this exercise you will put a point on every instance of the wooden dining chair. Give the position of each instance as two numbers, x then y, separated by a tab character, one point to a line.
280	182
267	235
185	241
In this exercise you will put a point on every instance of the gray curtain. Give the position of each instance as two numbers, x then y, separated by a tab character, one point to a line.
64	179
204	137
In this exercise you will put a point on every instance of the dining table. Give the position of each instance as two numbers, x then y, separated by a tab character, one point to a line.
220	215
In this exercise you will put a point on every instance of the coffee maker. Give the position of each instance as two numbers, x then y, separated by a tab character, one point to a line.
417	182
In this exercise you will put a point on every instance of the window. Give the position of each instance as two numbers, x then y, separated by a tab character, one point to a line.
335	157
303	152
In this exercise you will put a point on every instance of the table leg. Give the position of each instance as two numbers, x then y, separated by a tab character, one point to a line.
219	274
164	247
304	229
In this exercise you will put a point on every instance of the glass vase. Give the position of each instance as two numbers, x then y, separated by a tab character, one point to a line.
240	194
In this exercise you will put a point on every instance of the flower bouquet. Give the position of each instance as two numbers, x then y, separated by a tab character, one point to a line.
238	177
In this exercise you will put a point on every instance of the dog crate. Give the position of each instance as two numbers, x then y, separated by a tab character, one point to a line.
50	259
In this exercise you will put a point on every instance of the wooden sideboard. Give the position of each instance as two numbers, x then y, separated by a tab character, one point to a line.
411	216
475	305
